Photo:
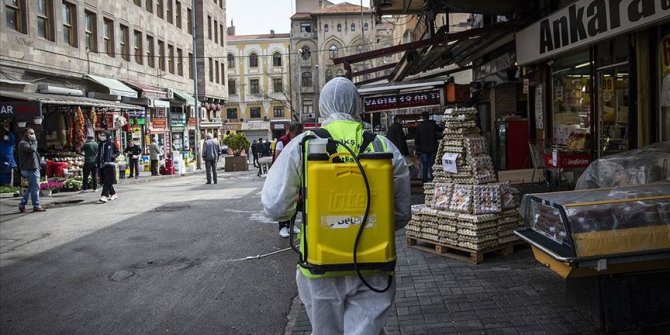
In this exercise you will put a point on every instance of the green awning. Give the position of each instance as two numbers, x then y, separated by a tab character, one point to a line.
115	87
185	96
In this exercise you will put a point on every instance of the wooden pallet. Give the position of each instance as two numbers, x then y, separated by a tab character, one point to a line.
460	253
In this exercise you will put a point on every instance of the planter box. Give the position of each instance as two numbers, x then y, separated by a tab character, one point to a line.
236	163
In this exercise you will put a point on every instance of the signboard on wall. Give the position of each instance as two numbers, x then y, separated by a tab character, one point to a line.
586	22
20	109
395	101
539	108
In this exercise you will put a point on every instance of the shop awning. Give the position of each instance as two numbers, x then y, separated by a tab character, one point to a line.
491	7
185	96
54	99
115	87
148	91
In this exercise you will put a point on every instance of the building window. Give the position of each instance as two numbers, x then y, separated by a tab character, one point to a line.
216	31
278	112
209	27
151	52
221	4
149	5
137	45
255	112
138	2
161	55
305	27
108	30
180	62
276	59
90	29
223	73
69	24
339	27
44	19
306	79
231	61
171	58
211	69
325	28
189	24
159	8
332	51
307	106
168	11
253	60
189	62
305	53
177	13
365	26
353	27
124	40
254	87
232	89
329	75
216	71
221	34
14	11
277	85
231	113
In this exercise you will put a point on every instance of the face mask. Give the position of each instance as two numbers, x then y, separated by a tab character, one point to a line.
32	137
103	138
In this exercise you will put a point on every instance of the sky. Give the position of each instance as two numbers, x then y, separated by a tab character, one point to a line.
260	16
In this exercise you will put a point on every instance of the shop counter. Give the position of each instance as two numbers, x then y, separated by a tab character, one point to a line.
600	231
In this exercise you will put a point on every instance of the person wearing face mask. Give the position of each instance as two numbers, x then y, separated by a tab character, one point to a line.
29	165
7	162
107	153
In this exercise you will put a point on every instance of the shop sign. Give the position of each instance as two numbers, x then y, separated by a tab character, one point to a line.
158	123
499	64
137	113
586	22
567	160
539	108
232	126
255	125
19	108
406	100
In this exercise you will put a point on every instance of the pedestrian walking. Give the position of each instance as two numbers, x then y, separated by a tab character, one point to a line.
396	134
29	165
7	161
155	153
107	153
254	152
210	154
295	129
90	150
133	151
338	303
427	136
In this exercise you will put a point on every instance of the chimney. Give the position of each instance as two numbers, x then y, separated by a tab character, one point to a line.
272	33
231	30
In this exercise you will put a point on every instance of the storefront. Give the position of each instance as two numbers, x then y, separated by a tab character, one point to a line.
598	82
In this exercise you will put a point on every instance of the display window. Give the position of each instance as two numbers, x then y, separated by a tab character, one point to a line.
571	96
664	84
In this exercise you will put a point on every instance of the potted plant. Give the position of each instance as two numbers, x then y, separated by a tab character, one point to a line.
49	187
239	144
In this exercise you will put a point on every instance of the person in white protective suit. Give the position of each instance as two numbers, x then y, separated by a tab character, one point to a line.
337	303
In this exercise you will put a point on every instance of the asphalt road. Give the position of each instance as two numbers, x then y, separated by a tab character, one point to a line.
172	256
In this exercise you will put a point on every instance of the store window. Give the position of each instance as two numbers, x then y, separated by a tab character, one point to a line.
231	113
571	96
255	112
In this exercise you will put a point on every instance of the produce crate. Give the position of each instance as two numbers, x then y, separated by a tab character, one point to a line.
459	253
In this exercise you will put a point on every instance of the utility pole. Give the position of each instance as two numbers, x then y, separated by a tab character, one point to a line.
194	64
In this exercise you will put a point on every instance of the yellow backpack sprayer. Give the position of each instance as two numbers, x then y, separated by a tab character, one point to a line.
348	216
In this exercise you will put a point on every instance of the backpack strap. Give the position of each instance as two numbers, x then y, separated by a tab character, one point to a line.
331	147
368	137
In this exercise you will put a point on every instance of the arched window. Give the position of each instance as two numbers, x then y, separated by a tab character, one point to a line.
353	27
325	28
253	60
339	27
306	53
365	26
333	51
231	61
329	74
276	59
306	79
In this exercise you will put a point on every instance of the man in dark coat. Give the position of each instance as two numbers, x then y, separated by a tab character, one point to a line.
396	134
427	135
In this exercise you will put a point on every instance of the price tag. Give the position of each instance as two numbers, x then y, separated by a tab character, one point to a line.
449	162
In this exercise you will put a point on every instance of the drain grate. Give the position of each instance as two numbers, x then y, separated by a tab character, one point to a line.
171	208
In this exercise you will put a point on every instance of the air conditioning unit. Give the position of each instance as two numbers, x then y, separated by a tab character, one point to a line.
170	93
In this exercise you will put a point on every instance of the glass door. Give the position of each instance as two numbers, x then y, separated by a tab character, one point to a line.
613	110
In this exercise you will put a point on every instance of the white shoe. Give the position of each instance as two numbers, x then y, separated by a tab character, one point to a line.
103	200
283	232
113	197
296	230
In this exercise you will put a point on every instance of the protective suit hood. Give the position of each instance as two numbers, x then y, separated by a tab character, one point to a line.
339	100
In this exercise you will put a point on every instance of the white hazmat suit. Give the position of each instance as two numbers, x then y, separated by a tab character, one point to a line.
340	305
